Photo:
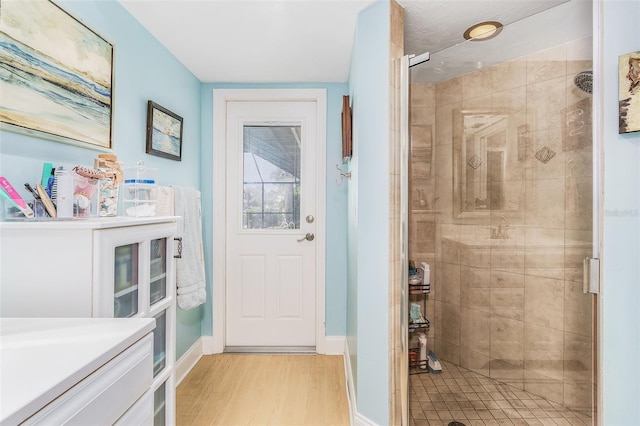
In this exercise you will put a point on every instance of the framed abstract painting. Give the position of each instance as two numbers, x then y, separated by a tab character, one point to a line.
56	75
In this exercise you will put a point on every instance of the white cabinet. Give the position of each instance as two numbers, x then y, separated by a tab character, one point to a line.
76	371
108	267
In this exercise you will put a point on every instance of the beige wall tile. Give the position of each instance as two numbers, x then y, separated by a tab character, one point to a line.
423	95
547	64
474	297
421	137
450	317
508	302
546	101
475	277
504	279
476	257
578	202
421	116
475	330
545	262
475	361
477	84
510	259
450	251
478	103
447	351
544	302
578	359
507	373
512	101
579	163
449	92
578	309
543	351
579	55
509	74
578	397
449	283
507	340
544	386
545	200
444	125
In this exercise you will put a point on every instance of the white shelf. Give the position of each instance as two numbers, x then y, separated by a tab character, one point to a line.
126	291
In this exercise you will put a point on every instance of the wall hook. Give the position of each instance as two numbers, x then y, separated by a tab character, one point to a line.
343	175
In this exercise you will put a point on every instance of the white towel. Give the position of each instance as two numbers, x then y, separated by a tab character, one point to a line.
190	276
166	201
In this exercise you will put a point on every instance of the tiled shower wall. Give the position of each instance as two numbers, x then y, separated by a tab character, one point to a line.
509	307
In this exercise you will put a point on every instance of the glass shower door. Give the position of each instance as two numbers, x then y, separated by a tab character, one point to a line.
501	205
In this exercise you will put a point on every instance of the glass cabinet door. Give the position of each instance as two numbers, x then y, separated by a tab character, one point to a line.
125	292
159	405
158	270
160	343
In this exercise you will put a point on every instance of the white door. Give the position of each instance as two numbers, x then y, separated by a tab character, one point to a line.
270	226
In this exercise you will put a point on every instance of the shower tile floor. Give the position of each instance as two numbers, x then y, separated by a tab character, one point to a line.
460	395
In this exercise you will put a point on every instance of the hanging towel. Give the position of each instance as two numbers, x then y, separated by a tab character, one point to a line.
190	277
166	201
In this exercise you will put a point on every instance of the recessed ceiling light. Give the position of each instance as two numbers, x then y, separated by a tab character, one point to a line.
483	31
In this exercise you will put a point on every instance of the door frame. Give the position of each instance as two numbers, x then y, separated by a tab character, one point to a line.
220	99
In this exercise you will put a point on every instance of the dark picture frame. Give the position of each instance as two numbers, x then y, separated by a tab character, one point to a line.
347	141
164	132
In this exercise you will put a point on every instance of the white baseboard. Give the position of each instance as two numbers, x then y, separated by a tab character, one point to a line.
357	419
334	345
188	360
209	346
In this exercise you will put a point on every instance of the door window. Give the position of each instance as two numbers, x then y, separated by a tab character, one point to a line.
271	177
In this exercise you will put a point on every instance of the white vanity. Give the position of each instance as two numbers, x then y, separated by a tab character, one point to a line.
76	371
120	267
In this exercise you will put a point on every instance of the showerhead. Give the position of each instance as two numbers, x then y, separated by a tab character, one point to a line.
584	81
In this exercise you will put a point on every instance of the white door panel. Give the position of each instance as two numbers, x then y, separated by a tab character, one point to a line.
271	184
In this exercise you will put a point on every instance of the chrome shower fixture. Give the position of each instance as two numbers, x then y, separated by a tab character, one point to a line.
584	81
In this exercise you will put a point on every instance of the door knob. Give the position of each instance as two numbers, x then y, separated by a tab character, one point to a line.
308	237
310	218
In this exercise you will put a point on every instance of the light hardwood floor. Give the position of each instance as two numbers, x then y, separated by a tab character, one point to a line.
264	389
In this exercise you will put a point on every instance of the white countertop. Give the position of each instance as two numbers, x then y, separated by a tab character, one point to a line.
41	358
81	223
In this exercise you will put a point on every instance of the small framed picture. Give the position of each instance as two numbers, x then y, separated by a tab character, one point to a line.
164	132
347	141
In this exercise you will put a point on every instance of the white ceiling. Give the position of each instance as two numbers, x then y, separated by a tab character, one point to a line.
311	40
255	41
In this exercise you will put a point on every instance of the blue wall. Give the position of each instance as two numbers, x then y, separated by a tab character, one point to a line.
368	286
336	196
144	70
621	252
